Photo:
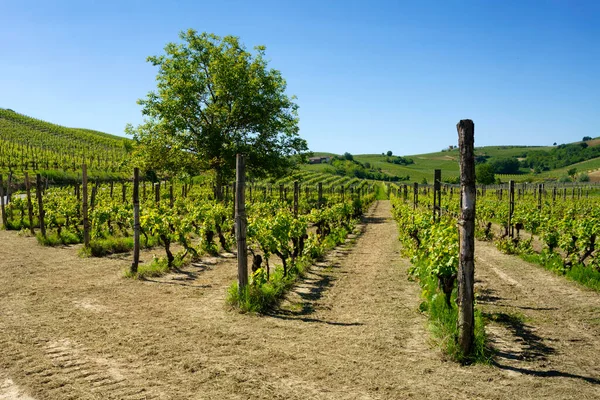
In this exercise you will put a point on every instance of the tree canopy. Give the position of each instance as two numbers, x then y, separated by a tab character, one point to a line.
215	99
484	173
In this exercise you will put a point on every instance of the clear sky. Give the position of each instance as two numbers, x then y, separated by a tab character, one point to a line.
370	76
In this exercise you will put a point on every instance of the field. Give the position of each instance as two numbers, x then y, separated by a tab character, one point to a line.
447	161
75	328
350	288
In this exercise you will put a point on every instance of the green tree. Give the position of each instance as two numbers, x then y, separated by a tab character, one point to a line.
484	174
571	172
389	153
215	99
506	165
583	177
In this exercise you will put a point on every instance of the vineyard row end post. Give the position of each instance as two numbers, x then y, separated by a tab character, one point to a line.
240	225
136	220
466	266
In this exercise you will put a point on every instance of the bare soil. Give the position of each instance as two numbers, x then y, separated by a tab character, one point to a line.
73	328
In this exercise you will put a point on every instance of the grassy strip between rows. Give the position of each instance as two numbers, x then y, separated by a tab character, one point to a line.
588	276
261	296
443	321
585	275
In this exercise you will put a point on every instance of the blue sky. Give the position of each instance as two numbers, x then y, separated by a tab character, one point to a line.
370	76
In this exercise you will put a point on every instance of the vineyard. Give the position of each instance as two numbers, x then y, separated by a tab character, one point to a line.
214	256
29	144
339	310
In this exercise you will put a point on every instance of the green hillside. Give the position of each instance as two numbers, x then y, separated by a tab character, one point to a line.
422	166
29	144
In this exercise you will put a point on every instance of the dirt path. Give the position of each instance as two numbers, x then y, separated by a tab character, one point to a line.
73	328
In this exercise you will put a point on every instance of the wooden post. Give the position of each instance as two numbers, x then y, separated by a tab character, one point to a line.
511	207
38	192
437	195
112	184
296	195
136	220
123	193
84	207
8	186
281	192
29	204
320	187
157	193
240	224
93	199
234	193
415	195
171	196
2	205
539	198
554	194
466	226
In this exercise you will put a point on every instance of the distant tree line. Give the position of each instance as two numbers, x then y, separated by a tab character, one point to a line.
560	156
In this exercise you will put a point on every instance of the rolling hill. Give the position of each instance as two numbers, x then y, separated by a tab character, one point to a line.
423	165
29	144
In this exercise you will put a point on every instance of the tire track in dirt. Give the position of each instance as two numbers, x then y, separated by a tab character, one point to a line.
543	324
74	328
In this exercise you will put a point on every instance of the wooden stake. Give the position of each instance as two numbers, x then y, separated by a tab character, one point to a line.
84	207
240	224
29	204
437	195
466	225
320	188
2	205
296	194
511	207
136	220
38	191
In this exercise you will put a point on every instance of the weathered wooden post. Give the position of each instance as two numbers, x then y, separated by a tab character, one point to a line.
111	189
511	207
157	193
233	192
123	193
84	207
466	224
93	198
171	196
29	203
437	195
554	194
240	225
2	205
281	192
136	220
320	187
8	187
296	196
415	195
38	192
